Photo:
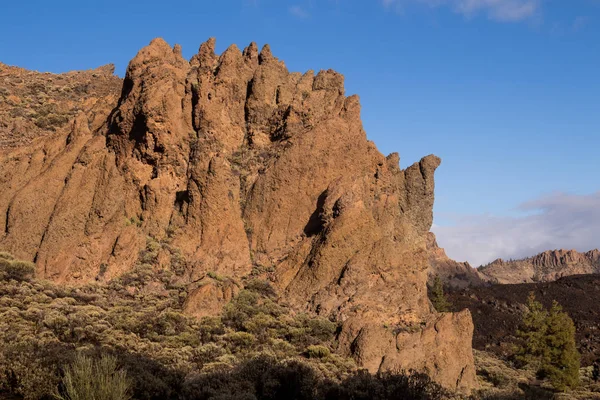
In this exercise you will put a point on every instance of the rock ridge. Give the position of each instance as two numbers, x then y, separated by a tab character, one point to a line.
231	166
544	267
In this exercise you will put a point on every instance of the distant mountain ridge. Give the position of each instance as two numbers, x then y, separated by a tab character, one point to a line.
544	267
547	266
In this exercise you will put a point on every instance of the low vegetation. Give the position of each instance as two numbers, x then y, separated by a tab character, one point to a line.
120	340
437	296
98	379
15	269
548	338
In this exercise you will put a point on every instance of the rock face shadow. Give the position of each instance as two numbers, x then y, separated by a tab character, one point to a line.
316	223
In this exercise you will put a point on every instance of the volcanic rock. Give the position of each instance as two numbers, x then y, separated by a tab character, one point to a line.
236	166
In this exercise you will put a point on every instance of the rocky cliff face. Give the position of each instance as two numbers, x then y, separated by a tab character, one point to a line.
241	168
544	267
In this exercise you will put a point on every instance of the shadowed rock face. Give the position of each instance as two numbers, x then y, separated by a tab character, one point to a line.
544	267
244	168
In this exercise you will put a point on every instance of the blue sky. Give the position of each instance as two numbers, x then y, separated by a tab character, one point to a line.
507	92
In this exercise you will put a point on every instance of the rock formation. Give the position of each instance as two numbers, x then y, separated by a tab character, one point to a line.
544	267
453	273
238	167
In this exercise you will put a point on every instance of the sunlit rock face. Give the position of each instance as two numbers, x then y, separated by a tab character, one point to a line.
240	167
544	267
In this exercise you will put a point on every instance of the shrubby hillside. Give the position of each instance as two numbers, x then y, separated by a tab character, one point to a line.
256	347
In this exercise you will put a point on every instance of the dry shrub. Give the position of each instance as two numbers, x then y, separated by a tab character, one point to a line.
94	379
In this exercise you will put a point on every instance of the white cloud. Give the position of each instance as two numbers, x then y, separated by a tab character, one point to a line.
299	12
500	10
554	222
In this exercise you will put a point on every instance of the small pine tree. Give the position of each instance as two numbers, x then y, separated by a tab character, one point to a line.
549	344
562	360
532	332
438	297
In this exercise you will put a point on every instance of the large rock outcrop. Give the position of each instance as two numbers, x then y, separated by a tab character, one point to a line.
242	168
544	267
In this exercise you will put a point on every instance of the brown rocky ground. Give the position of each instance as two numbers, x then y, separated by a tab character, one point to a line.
497	311
228	166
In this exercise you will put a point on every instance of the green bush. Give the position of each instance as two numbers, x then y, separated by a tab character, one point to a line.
317	351
322	329
438	297
562	361
24	372
549	344
90	379
265	378
16	269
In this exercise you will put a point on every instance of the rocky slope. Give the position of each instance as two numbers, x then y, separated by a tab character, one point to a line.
240	168
497	311
452	273
544	267
34	104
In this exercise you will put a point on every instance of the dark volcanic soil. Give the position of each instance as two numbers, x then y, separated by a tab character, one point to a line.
497	311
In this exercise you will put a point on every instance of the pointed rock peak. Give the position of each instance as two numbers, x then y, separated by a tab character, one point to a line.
307	79
232	49
177	50
208	48
158	42
158	49
393	159
206	54
431	239
430	163
158	45
232	53
329	80
265	54
251	52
